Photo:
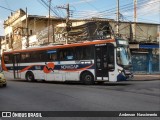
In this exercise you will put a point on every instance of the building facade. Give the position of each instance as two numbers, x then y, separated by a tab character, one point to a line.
23	30
144	40
2	44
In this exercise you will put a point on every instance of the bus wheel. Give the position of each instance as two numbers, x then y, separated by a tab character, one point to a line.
87	78
29	76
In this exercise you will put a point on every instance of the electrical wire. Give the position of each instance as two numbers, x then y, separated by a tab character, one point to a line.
8	6
7	9
42	2
128	7
140	30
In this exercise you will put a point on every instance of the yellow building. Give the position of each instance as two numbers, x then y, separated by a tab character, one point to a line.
23	30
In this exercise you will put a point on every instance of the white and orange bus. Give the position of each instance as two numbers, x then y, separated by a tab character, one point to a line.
88	62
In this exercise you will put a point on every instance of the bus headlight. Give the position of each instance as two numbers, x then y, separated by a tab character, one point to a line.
120	71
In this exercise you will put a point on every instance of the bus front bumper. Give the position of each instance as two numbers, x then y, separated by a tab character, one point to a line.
125	75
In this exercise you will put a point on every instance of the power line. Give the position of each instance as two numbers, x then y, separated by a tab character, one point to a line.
90	4
145	13
141	31
109	12
42	2
59	12
127	7
8	6
7	9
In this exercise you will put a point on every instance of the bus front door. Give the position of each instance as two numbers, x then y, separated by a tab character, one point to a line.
101	63
16	58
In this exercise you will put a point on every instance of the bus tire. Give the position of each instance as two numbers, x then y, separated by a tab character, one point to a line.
30	76
87	78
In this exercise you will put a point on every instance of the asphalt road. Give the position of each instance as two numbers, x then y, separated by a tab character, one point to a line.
51	96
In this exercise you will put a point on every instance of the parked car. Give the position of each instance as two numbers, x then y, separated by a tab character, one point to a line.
2	79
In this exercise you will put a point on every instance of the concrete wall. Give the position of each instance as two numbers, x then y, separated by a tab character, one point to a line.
145	32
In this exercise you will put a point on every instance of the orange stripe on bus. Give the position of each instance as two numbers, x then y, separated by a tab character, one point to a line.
64	46
26	68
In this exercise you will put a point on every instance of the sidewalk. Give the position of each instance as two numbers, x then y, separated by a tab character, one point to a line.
146	77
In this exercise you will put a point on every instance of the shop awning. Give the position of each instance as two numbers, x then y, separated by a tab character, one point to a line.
148	46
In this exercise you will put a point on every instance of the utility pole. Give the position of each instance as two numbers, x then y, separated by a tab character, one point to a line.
68	23
135	17
131	32
49	17
118	17
27	40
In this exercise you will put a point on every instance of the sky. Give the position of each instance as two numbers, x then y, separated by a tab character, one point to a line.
147	10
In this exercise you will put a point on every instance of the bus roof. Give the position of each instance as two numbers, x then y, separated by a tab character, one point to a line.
50	47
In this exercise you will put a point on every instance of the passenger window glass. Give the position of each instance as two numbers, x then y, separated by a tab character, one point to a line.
7	58
52	55
25	57
84	53
66	54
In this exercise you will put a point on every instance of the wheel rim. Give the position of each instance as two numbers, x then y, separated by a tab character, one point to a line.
29	77
88	78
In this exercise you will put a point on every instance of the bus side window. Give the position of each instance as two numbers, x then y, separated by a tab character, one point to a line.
66	54
78	53
52	57
7	59
42	56
87	52
60	55
70	54
25	57
82	53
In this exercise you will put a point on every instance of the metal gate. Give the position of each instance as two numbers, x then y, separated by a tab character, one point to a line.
140	62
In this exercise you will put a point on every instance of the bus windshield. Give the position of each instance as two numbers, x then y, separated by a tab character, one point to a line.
123	56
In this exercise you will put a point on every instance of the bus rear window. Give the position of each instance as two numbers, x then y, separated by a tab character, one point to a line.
7	59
